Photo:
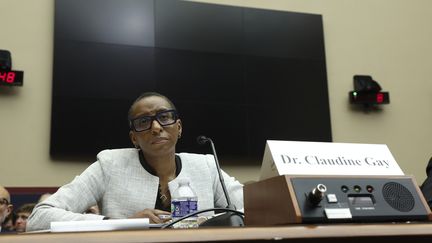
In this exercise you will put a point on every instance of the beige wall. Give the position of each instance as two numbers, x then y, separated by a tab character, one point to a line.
388	39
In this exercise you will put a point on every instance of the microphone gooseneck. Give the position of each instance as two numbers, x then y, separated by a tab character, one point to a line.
231	217
202	140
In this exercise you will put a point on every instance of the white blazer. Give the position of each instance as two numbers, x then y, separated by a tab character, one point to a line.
119	184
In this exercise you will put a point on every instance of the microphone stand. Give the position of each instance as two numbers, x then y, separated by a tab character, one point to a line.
230	218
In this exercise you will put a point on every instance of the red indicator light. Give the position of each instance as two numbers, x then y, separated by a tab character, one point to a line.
380	98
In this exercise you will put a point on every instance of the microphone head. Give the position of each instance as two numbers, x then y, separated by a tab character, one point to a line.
202	139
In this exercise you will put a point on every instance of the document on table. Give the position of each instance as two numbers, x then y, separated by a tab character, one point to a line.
102	225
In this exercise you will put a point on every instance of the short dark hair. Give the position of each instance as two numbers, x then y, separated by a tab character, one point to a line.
25	208
145	95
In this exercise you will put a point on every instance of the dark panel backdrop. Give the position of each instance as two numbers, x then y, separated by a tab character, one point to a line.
238	75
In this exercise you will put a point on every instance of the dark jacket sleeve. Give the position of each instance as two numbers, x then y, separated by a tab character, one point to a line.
426	187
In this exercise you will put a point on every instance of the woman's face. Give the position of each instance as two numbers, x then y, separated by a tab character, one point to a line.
158	140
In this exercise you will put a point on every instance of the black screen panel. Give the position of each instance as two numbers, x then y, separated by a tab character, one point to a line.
238	75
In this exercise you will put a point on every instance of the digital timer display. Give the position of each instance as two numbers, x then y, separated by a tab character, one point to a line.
11	77
369	98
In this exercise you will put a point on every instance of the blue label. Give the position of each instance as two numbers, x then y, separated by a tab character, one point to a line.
180	208
193	206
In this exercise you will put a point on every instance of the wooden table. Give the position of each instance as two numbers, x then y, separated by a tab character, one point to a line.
366	233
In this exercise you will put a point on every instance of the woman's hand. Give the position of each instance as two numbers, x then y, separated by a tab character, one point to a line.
155	216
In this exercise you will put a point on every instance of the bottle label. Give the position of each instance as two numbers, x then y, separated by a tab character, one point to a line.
193	206
180	208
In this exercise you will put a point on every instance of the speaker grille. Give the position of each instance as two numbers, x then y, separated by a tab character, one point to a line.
398	197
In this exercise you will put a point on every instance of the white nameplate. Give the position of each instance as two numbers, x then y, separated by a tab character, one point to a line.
326	158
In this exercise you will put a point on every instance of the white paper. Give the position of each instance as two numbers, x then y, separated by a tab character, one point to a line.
100	225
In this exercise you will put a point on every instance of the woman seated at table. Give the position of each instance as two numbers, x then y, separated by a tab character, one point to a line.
137	182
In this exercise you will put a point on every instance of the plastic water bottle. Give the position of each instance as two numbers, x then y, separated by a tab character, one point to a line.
183	202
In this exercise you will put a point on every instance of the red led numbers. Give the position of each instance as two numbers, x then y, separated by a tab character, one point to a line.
11	77
8	77
3	76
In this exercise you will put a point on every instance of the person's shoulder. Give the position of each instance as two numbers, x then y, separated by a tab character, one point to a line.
117	155
196	159
118	152
192	156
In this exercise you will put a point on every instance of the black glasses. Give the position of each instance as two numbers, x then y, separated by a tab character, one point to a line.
143	123
4	201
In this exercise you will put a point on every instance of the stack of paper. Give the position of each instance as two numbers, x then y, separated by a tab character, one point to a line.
101	225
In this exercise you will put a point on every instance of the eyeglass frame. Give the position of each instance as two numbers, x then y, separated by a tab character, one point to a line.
4	201
153	118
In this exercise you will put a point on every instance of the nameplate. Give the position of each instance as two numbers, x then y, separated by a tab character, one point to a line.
326	158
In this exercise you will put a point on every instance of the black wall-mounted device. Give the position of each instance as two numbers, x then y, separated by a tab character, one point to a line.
9	77
367	92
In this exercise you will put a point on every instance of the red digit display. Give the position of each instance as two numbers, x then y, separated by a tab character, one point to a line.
380	98
369	98
11	77
3	76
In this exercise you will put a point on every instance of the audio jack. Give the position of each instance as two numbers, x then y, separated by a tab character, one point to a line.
317	194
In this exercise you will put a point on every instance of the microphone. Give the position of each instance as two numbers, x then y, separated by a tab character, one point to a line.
201	140
232	217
